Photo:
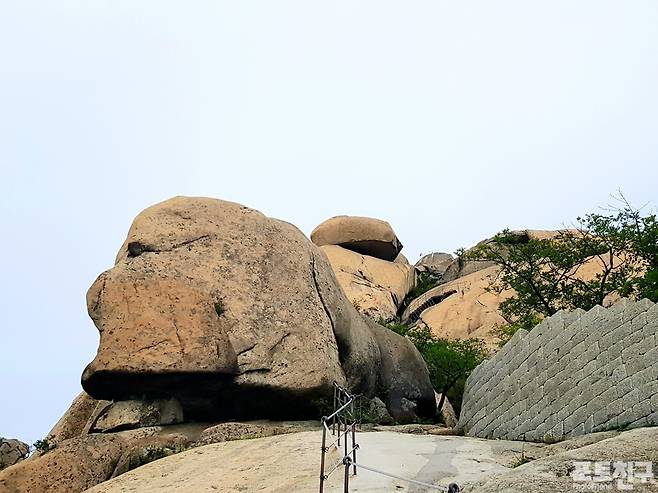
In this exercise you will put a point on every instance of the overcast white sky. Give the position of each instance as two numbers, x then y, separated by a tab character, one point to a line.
450	119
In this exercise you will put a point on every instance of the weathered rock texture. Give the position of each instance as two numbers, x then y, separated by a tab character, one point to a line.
82	462
209	298
12	451
375	287
556	471
364	235
232	313
575	373
126	415
404	381
435	263
460	309
447	412
226	432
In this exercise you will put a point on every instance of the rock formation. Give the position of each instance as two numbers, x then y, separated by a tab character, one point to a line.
82	462
375	287
363	235
435	263
235	315
126	415
12	451
74	419
462	307
214	311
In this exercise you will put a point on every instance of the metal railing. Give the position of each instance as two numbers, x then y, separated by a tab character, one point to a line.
342	424
343	420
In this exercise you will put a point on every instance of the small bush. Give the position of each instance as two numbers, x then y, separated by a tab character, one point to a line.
551	439
524	459
45	445
154	453
219	308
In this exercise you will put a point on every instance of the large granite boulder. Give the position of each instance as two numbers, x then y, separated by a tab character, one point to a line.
364	235
404	381
375	287
232	313
12	451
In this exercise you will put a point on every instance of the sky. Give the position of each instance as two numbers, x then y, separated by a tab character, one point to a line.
451	120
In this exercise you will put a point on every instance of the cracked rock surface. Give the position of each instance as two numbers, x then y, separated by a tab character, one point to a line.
375	287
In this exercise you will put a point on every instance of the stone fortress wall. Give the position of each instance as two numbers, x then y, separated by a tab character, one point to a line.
575	373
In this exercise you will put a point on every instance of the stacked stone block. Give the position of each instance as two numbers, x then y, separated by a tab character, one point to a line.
575	373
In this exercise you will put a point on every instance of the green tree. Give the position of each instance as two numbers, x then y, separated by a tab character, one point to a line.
546	273
641	234
449	362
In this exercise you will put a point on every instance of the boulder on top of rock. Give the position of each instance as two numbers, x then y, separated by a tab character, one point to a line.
435	263
231	312
364	235
12	451
375	287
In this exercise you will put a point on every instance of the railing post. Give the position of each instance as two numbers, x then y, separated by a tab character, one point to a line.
324	449
347	434
333	420
346	486
339	431
354	447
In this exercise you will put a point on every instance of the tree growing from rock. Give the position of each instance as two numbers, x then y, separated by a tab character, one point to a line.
546	273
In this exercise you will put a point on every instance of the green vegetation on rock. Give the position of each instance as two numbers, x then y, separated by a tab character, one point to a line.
545	273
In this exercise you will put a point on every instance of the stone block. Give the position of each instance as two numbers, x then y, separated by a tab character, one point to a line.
626	417
642	408
624	387
652	419
631	398
615	408
577	431
600	417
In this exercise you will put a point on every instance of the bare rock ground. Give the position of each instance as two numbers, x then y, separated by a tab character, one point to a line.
290	463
